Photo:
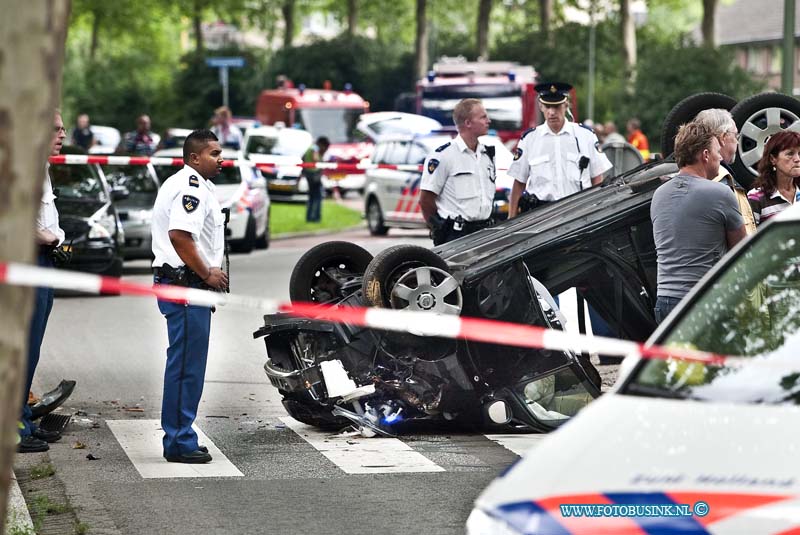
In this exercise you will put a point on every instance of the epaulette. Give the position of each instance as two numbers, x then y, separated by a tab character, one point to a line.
440	149
589	128
193	181
526	132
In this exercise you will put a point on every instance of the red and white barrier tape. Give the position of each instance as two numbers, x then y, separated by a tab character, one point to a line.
418	323
83	159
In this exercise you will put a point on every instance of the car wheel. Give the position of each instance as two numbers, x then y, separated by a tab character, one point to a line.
757	118
375	218
328	272
410	277
309	413
685	110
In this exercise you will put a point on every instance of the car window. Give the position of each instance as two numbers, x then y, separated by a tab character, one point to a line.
380	151
751	310
417	153
397	152
77	182
285	142
136	178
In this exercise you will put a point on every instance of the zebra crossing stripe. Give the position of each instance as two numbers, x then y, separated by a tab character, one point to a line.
141	442
516	443
358	455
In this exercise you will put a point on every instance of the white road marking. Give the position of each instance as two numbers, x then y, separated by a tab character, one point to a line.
141	441
359	455
519	444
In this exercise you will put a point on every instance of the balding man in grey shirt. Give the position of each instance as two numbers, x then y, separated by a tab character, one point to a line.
695	220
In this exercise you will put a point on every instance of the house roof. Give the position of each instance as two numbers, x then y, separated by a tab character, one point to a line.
751	21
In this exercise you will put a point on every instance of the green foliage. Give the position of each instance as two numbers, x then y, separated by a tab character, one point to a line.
41	471
377	71
668	72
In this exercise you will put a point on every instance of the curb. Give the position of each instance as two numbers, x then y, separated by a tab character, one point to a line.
312	233
17	515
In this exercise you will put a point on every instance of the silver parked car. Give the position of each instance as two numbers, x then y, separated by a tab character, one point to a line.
135	211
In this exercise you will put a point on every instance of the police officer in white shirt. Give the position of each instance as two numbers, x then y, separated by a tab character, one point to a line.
48	237
558	158
457	187
188	245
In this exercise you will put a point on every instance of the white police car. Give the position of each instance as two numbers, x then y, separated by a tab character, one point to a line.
391	197
243	190
282	148
702	448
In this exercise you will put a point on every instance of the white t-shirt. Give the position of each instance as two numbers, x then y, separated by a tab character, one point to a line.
186	201
462	180
549	163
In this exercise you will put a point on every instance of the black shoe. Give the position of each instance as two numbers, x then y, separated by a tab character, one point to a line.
31	444
202	448
196	457
46	435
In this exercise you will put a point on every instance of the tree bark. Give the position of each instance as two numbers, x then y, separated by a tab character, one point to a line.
32	44
421	40
96	17
628	44
288	21
352	17
546	15
484	12
709	14
197	24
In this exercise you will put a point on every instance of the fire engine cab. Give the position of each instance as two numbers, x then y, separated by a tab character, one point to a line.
505	88
321	112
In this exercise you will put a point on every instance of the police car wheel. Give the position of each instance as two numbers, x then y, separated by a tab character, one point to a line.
327	271
413	278
759	117
375	219
685	110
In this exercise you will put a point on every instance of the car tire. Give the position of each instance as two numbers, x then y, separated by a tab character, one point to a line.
685	110
320	274
390	266
755	118
375	221
115	269
309	413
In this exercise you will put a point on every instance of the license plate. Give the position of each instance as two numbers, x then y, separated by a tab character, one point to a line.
66	248
281	187
337	176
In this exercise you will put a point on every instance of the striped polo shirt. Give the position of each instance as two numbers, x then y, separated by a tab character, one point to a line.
765	207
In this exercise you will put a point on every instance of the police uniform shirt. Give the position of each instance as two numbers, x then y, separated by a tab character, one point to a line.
47	218
463	180
549	163
186	201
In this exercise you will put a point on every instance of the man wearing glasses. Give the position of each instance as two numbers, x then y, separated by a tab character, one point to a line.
721	123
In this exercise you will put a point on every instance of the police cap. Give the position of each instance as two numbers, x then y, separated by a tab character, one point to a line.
553	92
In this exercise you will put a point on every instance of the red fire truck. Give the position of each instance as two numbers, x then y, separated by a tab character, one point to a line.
321	112
506	89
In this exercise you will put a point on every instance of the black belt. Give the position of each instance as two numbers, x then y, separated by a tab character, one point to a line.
472	226
179	276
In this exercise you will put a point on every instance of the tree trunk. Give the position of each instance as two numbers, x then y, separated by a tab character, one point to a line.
32	41
197	24
709	14
352	17
96	16
421	41
546	14
484	12
288	21
628	44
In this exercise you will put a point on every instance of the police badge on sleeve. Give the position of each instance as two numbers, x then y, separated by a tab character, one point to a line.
190	203
433	163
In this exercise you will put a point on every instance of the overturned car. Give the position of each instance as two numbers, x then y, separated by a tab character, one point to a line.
598	241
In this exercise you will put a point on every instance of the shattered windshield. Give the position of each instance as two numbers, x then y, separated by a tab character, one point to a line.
752	310
77	182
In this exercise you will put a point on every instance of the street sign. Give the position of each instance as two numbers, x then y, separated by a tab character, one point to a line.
233	62
223	64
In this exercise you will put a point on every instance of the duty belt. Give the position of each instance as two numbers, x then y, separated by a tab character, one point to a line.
179	276
472	226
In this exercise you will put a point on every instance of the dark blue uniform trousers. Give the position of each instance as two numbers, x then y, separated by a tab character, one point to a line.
43	304
189	328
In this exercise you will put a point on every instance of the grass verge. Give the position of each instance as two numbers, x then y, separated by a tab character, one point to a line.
40	471
290	217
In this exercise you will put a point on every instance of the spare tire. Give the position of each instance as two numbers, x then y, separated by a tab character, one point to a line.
413	278
327	270
685	110
757	118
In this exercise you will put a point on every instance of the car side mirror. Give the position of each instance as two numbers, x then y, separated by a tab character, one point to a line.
119	192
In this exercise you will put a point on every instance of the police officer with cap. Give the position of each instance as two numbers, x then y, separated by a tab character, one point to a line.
555	159
188	245
457	186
